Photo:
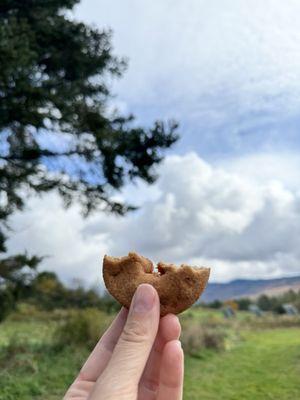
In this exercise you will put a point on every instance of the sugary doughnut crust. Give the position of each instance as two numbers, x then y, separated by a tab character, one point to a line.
178	287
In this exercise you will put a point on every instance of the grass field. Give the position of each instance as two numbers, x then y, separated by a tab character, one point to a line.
256	363
265	365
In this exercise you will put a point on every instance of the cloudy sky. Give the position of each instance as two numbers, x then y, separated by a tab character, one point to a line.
228	195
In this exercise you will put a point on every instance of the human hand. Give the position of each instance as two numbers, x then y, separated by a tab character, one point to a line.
138	358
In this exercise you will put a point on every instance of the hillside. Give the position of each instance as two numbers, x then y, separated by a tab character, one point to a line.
249	288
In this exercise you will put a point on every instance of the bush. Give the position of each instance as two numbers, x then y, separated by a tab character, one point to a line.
213	339
83	328
6	303
191	340
196	338
214	321
16	346
28	312
17	354
244	303
108	304
275	321
216	304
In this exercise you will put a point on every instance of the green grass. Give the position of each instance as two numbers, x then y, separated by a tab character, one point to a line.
256	365
265	365
39	374
33	332
30	366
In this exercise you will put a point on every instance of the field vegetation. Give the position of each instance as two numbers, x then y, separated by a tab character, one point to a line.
245	357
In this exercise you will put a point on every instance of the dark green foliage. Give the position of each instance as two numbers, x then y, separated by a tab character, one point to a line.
82	328
54	110
15	280
265	303
48	293
108	304
214	304
56	130
7	303
275	303
243	303
10	269
45	292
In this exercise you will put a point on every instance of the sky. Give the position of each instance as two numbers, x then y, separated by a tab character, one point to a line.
228	195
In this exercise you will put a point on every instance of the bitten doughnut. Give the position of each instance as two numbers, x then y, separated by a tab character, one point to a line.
178	287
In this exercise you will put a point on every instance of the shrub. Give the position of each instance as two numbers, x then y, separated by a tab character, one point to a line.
18	354
275	321
16	346
216	304
213	339
26	312
196	338
6	302
191	340
215	321
243	303
83	328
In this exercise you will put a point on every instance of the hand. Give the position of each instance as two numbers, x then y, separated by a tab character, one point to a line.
138	357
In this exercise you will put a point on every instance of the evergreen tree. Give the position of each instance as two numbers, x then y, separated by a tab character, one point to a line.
57	132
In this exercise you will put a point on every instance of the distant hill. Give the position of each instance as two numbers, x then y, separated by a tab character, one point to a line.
249	288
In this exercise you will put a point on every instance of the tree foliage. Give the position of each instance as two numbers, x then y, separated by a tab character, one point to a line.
46	292
275	303
58	130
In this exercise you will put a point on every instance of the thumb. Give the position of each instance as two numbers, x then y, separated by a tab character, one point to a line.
131	353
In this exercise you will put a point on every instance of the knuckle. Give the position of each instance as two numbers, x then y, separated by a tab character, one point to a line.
134	332
151	384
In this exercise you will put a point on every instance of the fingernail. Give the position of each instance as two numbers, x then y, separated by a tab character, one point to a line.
143	299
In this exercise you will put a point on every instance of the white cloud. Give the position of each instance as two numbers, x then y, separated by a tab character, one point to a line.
205	60
241	222
47	229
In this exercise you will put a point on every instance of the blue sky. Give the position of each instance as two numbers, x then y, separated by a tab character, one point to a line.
230	72
228	195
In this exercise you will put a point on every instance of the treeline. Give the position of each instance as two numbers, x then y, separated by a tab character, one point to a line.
264	302
47	292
